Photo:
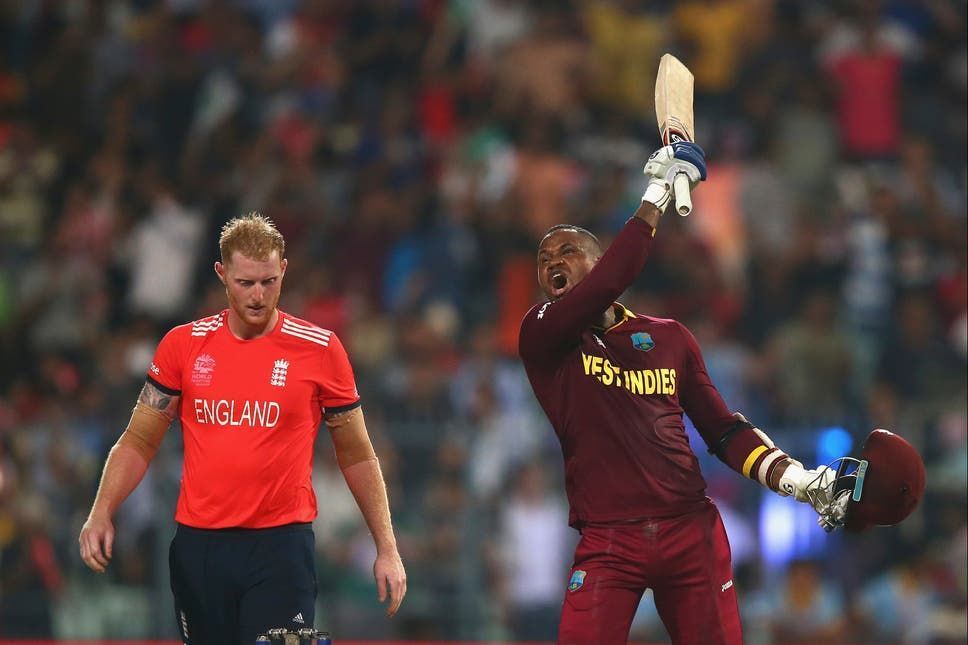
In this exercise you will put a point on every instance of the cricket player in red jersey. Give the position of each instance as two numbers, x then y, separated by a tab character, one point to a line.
614	385
250	386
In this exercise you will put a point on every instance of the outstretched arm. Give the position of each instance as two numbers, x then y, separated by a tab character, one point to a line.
738	443
361	470
125	468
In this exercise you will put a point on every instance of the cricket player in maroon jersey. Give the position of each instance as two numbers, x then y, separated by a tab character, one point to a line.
614	385
250	386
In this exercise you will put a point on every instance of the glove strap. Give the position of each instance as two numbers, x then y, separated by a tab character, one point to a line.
791	481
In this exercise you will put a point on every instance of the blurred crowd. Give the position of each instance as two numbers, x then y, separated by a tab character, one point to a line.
413	152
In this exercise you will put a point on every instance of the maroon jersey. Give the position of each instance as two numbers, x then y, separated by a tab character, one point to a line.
616	396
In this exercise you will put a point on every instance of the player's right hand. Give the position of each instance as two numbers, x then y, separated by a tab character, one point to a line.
97	542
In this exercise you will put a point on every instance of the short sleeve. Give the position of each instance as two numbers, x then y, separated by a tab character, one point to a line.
338	387
165	371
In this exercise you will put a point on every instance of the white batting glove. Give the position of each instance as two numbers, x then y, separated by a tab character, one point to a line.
800	482
814	487
663	167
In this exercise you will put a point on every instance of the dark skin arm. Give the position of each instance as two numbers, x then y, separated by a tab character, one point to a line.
648	213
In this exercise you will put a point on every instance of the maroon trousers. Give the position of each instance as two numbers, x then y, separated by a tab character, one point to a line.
684	560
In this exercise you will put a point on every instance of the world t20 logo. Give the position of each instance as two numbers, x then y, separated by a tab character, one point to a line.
202	370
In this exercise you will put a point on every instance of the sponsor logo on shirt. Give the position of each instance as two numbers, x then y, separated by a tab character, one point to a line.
202	370
541	312
659	380
154	369
224	412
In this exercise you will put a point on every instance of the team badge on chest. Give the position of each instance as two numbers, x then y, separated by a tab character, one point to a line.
279	370
642	341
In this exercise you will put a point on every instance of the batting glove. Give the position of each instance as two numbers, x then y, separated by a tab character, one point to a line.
815	487
667	162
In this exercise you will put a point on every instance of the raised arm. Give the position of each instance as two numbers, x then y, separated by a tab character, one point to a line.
361	470
553	326
125	468
556	325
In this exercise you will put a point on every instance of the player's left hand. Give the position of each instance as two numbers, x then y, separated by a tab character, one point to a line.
391	579
815	487
835	514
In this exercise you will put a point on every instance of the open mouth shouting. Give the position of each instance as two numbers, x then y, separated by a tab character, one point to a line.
559	283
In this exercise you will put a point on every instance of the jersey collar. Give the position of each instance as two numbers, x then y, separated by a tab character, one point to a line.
622	315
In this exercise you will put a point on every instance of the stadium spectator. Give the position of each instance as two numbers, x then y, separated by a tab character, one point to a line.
352	119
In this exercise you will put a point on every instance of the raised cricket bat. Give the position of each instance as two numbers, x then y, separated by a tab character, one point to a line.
673	113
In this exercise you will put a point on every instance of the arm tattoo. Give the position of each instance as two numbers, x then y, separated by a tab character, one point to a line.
337	419
155	398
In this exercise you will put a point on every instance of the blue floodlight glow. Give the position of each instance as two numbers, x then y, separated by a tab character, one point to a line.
788	530
833	443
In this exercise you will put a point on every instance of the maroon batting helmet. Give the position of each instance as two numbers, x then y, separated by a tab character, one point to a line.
880	489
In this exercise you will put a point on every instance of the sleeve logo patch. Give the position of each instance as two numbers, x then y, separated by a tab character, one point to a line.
642	341
577	580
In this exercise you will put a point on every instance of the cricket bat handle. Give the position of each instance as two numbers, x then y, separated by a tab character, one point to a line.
680	190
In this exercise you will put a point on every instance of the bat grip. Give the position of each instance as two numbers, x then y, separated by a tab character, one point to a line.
680	190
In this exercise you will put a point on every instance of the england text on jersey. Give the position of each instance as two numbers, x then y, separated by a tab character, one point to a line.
232	413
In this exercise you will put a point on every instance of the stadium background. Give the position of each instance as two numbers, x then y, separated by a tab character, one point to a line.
412	151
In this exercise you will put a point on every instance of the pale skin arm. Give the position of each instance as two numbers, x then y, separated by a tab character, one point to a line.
363	476
123	471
